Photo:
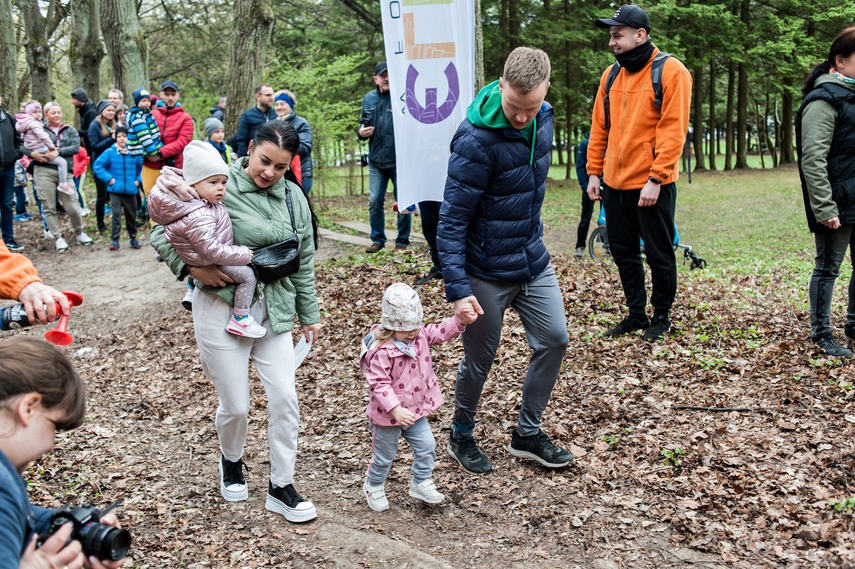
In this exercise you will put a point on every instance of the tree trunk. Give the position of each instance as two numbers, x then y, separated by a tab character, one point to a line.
85	52
786	143
728	135
479	49
126	44
698	119
713	143
253	22
773	152
742	118
37	49
8	57
760	140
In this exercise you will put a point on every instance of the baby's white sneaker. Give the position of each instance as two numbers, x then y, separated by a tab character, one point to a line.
425	491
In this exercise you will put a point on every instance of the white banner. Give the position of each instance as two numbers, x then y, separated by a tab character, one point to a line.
430	51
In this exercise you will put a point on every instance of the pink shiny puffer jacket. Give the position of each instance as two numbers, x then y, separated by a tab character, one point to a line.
201	232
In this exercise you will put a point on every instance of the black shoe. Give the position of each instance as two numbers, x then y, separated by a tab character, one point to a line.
232	483
102	229
14	247
627	325
831	348
465	451
849	331
658	326
434	273
289	503
538	447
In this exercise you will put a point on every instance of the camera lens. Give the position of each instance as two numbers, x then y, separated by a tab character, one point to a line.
104	542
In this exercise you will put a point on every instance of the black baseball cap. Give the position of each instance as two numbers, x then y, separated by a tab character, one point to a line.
380	68
169	85
628	15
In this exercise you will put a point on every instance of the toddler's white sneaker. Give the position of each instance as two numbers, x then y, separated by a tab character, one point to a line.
426	492
376	496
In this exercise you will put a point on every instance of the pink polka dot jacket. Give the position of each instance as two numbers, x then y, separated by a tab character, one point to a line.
395	378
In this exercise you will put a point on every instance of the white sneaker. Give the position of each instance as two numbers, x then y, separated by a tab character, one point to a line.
84	239
85	211
61	245
426	492
247	327
66	189
376	496
49	235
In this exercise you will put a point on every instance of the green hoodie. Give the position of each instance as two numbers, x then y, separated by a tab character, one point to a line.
486	112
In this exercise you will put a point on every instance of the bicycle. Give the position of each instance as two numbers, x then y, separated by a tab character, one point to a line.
598	245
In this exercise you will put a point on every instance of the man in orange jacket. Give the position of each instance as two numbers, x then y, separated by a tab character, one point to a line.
636	150
19	280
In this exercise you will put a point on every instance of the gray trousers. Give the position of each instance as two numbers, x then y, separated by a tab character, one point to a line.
384	447
245	279
541	308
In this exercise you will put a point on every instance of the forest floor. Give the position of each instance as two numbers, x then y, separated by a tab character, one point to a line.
722	446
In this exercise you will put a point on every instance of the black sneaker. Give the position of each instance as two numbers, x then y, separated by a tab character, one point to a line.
658	326
831	348
627	325
465	451
289	503
14	247
434	273
232	483
538	447
849	331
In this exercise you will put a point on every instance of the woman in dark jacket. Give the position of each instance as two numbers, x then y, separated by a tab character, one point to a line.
46	178
101	136
825	139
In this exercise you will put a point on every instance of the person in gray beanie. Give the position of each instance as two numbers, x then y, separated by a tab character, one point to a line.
215	133
200	228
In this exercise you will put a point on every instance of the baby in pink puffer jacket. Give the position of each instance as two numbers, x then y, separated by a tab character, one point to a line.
201	231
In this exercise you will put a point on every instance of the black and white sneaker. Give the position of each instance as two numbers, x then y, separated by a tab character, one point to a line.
232	482
538	447
289	503
465	451
831	348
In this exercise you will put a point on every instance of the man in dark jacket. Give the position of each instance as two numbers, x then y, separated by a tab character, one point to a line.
10	140
87	111
253	118
587	203
490	241
375	124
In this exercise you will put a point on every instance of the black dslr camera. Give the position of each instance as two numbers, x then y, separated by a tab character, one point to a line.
97	539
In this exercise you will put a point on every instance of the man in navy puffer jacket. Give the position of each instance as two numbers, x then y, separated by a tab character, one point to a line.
490	241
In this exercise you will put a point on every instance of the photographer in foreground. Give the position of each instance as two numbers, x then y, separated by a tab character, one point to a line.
40	393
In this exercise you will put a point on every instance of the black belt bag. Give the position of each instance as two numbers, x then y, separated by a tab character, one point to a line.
279	260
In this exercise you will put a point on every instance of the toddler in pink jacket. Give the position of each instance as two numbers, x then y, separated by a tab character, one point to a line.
403	391
201	231
32	130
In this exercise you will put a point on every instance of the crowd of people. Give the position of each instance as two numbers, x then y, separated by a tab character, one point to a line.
217	211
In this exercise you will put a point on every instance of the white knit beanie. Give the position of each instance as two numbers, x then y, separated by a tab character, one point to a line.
201	160
402	309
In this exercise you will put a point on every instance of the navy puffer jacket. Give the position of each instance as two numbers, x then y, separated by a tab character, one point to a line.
490	225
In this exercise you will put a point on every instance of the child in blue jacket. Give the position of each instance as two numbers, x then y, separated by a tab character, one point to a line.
122	173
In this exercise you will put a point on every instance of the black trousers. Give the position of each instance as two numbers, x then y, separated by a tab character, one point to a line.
626	223
127	204
430	220
100	201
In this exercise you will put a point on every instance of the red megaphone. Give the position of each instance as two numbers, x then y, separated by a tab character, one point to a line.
59	336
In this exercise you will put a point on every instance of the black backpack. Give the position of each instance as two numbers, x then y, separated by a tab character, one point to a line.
655	76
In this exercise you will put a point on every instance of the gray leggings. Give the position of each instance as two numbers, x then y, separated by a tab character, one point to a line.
245	279
384	447
541	308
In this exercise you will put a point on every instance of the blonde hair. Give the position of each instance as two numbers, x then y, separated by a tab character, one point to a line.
381	334
526	68
49	105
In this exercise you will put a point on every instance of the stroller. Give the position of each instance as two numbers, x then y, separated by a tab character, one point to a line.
598	245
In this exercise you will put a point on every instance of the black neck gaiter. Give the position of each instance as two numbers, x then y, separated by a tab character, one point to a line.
635	59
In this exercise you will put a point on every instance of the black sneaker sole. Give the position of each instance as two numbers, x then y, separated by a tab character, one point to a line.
454	456
531	456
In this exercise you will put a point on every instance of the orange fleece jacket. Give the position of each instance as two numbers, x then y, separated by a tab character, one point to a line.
16	272
641	141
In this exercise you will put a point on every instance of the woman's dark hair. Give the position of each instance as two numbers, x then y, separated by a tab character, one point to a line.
842	46
283	135
31	365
